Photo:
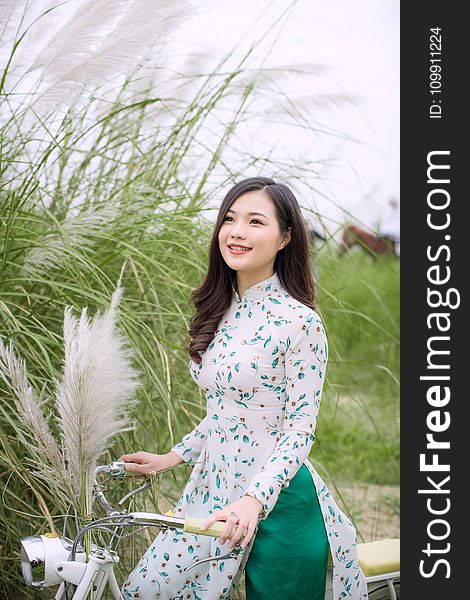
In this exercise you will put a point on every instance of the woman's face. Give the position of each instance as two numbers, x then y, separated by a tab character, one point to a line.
260	232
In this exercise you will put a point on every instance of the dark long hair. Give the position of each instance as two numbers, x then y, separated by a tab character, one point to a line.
292	263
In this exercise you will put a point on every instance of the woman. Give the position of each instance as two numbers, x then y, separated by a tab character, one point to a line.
259	352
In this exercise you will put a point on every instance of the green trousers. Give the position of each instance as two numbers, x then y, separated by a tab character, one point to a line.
288	560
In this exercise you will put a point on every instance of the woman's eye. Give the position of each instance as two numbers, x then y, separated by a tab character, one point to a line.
257	220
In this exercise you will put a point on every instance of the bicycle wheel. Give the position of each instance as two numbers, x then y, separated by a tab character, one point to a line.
379	590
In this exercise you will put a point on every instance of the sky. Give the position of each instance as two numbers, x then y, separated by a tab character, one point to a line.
359	43
357	46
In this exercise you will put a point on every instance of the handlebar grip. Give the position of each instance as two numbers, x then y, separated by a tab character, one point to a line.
193	525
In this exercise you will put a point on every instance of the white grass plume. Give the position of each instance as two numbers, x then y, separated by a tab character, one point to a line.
77	233
91	56
308	106
97	387
53	469
81	31
8	10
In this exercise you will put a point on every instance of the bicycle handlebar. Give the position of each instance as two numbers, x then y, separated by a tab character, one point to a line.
193	525
189	524
37	551
116	470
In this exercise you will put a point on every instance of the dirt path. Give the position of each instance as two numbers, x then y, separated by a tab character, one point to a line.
375	509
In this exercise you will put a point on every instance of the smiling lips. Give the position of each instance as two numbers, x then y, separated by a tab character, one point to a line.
238	249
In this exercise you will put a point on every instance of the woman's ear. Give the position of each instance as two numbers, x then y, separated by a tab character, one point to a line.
287	237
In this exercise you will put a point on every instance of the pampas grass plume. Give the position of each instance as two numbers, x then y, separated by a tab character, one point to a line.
93	398
96	391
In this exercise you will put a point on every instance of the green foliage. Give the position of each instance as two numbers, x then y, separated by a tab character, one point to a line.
80	196
358	428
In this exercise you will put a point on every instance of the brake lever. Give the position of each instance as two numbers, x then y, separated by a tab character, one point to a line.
234	552
143	487
147	484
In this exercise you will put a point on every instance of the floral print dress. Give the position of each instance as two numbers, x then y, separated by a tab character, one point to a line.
262	375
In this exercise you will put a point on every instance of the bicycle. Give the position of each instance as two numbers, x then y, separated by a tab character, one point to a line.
49	560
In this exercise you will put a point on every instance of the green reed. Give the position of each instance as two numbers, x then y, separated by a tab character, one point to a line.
79	195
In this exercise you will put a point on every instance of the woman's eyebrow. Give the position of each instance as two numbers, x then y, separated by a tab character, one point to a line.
250	213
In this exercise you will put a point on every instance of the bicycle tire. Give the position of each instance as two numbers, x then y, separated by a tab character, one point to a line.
379	590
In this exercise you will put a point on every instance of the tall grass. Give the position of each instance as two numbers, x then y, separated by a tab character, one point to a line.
358	434
84	189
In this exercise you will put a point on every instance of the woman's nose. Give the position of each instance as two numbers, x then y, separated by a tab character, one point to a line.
237	232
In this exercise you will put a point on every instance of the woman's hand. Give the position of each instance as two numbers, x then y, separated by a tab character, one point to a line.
248	509
146	463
